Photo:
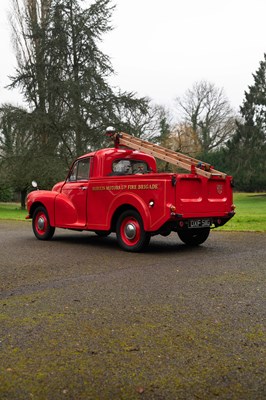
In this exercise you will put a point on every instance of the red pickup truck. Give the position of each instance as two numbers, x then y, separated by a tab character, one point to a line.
119	190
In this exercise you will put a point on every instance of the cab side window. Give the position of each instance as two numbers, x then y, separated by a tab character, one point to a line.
80	170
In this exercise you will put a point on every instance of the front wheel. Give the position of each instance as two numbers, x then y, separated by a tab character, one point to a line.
130	232
194	237
41	224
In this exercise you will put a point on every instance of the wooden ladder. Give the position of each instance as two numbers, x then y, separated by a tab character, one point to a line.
178	159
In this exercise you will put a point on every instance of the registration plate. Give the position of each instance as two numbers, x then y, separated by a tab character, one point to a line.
199	223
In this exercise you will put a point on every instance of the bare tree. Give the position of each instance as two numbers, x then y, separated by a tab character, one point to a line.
184	139
206	109
149	122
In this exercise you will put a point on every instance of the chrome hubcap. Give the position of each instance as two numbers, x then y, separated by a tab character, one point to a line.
130	231
41	223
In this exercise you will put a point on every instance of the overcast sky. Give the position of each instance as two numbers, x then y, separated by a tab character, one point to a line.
160	48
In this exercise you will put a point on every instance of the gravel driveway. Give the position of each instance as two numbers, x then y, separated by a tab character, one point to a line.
81	319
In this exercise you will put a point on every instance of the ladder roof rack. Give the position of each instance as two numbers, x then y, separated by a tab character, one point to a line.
178	159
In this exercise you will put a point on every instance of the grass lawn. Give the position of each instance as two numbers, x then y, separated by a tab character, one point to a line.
12	211
250	213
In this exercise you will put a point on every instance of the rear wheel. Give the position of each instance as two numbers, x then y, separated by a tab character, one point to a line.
194	237
130	232
41	224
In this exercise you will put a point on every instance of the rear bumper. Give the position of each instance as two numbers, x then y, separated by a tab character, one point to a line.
183	223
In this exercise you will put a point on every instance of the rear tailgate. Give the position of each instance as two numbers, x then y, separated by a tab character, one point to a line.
198	196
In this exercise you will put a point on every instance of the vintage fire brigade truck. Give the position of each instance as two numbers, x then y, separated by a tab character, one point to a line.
119	190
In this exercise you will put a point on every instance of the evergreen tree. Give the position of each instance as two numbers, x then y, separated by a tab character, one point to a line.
15	141
63	75
247	149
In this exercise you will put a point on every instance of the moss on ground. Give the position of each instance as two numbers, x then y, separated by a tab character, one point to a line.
51	350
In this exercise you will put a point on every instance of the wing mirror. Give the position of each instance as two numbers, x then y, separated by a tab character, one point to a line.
35	185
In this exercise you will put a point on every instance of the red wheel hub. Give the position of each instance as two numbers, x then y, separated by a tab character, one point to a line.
130	231
41	223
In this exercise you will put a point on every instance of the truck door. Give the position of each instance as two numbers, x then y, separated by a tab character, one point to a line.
76	189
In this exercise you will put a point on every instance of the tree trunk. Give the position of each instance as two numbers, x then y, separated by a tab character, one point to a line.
23	195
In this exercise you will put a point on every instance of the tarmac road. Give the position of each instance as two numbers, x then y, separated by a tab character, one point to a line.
81	319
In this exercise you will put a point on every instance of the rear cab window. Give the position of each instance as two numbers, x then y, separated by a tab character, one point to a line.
129	167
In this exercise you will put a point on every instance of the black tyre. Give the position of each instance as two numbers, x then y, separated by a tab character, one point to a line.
194	237
130	233
41	224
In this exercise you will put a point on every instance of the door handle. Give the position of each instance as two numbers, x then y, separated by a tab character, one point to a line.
83	188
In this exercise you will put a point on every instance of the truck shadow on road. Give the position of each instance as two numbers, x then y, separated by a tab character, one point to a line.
157	244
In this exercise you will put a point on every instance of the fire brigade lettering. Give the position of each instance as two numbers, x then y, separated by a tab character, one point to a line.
117	187
154	186
148	186
98	188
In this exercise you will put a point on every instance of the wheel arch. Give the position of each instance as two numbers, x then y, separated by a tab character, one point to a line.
129	202
48	205
118	212
34	206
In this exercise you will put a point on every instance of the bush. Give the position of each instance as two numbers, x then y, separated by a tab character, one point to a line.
6	193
